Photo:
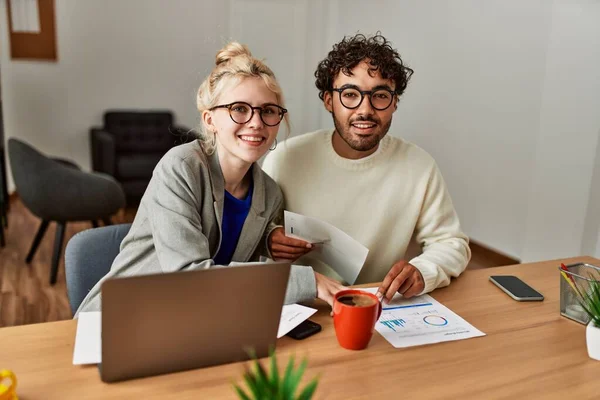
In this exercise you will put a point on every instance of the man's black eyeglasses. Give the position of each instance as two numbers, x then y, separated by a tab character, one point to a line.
241	112
352	98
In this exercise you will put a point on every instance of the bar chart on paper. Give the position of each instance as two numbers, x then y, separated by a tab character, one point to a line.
392	322
421	320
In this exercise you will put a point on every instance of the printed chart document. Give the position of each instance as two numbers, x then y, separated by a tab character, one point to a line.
332	246
420	320
88	339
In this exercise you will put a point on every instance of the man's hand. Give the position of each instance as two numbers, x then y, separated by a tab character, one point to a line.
286	248
403	278
327	288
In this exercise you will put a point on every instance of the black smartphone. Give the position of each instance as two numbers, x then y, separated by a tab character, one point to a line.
516	288
305	329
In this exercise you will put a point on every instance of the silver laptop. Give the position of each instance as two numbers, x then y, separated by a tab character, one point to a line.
157	324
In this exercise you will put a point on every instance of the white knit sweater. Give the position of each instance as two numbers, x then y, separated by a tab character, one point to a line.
380	200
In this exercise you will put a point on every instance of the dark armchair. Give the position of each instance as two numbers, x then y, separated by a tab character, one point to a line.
131	143
56	190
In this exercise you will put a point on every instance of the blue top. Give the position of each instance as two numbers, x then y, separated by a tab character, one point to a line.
235	212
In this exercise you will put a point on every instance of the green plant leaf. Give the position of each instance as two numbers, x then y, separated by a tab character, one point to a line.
590	299
274	374
271	385
251	353
288	386
596	289
300	371
309	390
242	395
252	384
595	301
583	304
262	380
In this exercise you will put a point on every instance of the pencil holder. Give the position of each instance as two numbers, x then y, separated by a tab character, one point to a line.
569	306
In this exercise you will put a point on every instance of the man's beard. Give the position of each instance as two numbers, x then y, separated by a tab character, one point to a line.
358	143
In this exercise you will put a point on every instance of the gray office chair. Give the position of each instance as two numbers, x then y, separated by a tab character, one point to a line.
88	257
55	191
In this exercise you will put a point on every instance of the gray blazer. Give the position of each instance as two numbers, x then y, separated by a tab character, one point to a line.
178	224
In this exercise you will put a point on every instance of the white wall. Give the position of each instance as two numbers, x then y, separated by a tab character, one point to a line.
561	189
591	234
505	95
112	54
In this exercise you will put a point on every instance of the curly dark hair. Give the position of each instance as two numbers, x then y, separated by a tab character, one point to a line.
348	53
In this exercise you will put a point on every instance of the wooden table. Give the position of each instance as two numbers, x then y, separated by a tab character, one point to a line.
530	351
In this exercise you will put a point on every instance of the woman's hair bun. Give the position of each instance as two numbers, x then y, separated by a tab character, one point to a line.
230	51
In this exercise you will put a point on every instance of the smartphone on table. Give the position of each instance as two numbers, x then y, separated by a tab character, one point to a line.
305	329
516	288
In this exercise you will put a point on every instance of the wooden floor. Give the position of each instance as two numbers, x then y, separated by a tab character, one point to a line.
26	296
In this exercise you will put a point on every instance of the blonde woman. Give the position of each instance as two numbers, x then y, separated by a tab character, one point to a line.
177	226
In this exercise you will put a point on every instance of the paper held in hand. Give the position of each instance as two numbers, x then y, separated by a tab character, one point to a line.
332	246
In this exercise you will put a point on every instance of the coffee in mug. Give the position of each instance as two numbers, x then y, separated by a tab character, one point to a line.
354	316
357	300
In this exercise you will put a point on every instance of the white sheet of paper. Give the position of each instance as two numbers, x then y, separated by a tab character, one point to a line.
420	320
264	260
25	16
88	339
340	251
291	316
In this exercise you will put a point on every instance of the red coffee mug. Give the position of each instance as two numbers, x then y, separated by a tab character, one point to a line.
354	325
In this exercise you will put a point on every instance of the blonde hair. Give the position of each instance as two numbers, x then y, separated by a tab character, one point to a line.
234	62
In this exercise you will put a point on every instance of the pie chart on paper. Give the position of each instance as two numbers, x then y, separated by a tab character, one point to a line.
435	320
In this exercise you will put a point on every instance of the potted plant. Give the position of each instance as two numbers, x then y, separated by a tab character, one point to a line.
589	299
591	304
273	385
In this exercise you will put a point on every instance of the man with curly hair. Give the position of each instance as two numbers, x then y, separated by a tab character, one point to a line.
379	189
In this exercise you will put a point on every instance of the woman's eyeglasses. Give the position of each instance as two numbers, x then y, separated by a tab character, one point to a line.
241	112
